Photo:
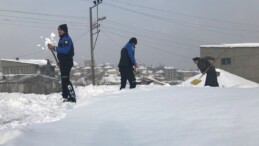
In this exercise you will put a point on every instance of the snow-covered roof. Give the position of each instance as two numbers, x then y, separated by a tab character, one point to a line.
108	67
167	67
112	70
185	71
160	72
112	78
87	67
77	74
232	45
40	62
142	67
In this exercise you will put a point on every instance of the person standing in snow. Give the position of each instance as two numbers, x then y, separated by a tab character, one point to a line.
128	64
65	53
206	67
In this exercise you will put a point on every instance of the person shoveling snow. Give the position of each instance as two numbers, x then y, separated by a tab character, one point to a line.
206	67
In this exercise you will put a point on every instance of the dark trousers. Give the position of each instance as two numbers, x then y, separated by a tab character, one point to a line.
127	74
67	87
211	79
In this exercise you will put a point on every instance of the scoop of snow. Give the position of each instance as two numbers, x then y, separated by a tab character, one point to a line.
48	41
52	36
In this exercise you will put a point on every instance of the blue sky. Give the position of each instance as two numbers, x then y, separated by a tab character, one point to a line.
169	32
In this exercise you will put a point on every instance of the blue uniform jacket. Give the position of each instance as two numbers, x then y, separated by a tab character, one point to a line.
65	46
131	52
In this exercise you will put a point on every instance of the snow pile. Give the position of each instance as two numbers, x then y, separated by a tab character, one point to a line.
225	79
112	79
26	109
20	109
152	116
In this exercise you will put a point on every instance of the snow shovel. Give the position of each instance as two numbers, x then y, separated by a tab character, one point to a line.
196	81
55	57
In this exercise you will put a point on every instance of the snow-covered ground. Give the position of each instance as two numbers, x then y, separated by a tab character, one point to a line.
18	109
147	116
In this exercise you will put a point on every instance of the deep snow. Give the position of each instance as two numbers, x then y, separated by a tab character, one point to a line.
18	109
147	116
152	116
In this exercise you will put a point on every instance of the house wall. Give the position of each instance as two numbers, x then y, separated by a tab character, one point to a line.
9	67
244	60
32	84
18	68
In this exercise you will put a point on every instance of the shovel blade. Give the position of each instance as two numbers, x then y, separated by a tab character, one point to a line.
195	81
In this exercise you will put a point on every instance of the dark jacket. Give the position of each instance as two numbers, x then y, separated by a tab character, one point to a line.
65	49
203	64
128	56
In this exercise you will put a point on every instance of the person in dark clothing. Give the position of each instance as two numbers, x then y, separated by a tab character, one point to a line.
128	64
206	67
65	53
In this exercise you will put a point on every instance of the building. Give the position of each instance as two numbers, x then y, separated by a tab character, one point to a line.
159	75
170	73
239	59
88	63
25	66
185	75
28	76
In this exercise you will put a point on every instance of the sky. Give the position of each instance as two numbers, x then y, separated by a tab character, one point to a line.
169	32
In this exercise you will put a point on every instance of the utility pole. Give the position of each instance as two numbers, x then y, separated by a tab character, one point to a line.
94	26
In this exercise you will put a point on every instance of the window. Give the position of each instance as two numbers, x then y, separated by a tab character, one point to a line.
226	61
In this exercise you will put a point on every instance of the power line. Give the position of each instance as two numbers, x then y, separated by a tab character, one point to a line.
43	14
155	32
160	42
183	14
170	41
33	26
182	24
153	48
45	20
34	22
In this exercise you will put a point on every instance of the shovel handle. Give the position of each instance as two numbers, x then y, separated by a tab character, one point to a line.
201	76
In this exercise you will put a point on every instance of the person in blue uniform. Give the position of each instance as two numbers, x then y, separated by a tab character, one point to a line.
128	64
65	53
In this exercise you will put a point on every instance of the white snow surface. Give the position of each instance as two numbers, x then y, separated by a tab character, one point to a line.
232	45
146	116
18	109
225	79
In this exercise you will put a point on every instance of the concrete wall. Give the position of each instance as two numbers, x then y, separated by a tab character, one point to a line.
28	78
244	60
9	67
37	84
